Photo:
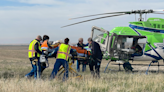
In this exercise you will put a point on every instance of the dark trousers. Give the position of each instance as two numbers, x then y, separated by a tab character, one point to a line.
95	64
78	66
43	66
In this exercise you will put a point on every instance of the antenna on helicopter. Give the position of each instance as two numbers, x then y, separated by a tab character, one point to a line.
140	12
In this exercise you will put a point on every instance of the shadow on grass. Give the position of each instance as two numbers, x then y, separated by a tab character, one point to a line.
135	71
7	75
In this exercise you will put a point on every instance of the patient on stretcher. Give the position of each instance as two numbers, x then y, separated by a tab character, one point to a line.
80	52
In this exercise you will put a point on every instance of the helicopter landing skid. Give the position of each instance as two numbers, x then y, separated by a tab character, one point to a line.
150	65
107	66
111	69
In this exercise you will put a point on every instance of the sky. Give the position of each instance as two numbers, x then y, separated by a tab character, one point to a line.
22	20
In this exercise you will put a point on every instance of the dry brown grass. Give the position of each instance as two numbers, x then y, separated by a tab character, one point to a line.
14	64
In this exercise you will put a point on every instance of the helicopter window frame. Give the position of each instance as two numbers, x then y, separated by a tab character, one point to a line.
97	34
130	41
105	42
154	25
158	26
162	26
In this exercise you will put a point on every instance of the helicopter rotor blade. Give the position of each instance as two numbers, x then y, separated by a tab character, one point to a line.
126	12
100	14
158	13
158	10
93	19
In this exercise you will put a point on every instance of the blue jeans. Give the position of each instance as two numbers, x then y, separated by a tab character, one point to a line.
57	65
34	70
78	67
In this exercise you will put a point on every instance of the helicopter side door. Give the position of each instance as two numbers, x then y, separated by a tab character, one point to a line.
112	44
100	36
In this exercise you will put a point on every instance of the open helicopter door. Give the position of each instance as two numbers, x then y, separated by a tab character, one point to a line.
100	36
111	47
118	45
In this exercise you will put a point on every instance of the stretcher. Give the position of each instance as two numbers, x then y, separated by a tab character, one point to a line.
80	52
71	70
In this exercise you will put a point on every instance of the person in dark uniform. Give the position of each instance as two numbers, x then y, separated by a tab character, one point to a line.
81	61
81	44
96	57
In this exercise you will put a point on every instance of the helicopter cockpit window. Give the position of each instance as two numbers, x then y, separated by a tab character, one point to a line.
142	42
99	36
162	26
154	25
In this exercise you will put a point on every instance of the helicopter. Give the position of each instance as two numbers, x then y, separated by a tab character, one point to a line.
149	33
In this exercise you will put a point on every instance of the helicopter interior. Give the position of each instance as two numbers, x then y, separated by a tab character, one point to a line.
131	44
134	45
125	47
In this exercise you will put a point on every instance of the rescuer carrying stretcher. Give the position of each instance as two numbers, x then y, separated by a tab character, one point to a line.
45	48
63	51
34	53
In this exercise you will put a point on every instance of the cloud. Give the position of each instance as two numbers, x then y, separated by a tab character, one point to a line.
45	2
20	24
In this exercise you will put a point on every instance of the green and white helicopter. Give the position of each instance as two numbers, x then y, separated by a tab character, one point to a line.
140	41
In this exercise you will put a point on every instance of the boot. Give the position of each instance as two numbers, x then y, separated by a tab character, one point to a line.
93	74
97	75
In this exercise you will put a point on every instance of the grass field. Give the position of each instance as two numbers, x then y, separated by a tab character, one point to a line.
14	64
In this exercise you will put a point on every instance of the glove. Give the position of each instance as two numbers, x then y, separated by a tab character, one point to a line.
98	63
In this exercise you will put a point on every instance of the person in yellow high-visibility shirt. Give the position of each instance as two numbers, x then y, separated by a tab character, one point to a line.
63	51
34	54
